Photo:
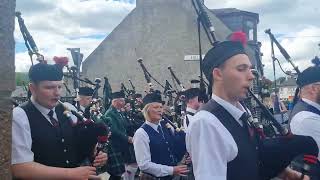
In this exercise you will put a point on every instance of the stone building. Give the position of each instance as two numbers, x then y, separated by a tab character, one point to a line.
287	89
163	33
238	20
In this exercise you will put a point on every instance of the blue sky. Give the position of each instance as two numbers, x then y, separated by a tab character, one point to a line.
20	47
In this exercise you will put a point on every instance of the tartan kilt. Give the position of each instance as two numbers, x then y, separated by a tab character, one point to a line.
115	162
146	177
130	156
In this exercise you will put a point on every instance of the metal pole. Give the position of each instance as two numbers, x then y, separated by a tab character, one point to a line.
79	64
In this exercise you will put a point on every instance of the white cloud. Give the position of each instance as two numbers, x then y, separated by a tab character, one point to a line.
301	49
297	22
72	17
56	45
22	62
58	24
284	16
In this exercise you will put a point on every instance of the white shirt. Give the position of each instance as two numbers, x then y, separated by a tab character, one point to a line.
72	107
82	108
307	123
185	126
210	144
143	156
21	133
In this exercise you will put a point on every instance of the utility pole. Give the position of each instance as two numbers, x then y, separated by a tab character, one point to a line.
77	60
7	83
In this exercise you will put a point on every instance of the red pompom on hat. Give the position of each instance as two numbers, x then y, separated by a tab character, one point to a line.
61	61
239	36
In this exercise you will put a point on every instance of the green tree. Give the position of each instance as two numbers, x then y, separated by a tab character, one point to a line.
22	78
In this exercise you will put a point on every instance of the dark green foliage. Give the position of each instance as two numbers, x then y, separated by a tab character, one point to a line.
22	79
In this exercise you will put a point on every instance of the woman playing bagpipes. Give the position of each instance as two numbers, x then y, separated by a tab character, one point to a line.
156	146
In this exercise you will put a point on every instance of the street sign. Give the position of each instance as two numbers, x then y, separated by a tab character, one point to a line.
192	57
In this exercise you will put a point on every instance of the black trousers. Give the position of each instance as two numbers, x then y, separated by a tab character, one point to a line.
113	177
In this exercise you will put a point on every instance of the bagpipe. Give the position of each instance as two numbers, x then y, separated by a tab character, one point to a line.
106	93
31	47
176	79
178	135
130	98
179	105
90	136
133	91
283	149
147	75
307	162
133	115
275	153
29	41
95	108
168	92
177	101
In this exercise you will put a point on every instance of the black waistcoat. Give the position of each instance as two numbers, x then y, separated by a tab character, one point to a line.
303	106
246	165
52	146
298	162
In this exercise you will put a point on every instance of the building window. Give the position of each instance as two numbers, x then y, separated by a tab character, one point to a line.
250	30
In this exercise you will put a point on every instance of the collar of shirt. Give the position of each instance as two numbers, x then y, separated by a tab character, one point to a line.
82	108
191	110
233	110
44	111
115	109
316	105
154	126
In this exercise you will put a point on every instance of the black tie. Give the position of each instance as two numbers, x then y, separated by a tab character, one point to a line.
190	113
53	121
244	118
160	130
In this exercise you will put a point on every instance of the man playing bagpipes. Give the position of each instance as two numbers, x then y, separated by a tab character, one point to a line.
44	139
158	148
221	141
305	116
191	98
119	138
133	122
84	99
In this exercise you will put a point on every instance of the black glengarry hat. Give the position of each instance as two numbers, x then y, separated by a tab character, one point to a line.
191	93
137	95
85	91
118	94
45	72
152	97
219	54
309	76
